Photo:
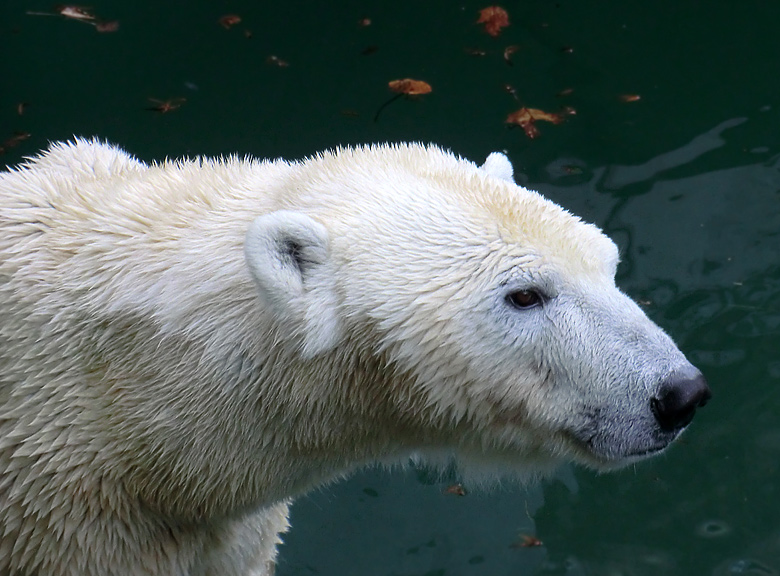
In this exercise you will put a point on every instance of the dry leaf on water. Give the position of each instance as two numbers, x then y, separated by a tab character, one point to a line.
74	12
526	118
404	87
527	541
229	20
13	141
494	18
409	87
80	14
455	489
165	106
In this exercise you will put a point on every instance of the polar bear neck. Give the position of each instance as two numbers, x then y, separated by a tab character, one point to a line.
146	346
273	442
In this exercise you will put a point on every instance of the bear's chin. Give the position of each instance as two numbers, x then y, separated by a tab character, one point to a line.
607	460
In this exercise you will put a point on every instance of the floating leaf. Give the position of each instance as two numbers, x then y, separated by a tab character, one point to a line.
455	489
526	118
494	18
74	12
229	20
80	14
364	22
629	97
409	87
404	87
165	106
527	541
13	141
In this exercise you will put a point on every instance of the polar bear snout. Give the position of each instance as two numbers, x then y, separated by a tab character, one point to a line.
679	397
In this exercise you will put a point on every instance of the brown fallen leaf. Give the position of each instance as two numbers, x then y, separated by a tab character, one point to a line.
364	22
409	86
527	541
404	87
165	106
526	118
494	18
455	489
229	20
629	97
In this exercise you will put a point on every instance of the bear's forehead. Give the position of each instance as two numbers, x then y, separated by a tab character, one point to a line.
529	223
524	220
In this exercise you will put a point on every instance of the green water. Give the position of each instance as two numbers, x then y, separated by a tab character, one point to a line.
685	180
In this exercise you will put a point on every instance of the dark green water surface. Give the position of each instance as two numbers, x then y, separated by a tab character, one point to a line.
685	180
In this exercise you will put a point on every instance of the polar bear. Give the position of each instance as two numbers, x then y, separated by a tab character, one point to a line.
186	346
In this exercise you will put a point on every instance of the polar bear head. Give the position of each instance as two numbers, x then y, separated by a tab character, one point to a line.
495	309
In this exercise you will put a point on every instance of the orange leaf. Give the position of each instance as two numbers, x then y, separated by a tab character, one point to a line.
494	18
630	97
410	87
526	118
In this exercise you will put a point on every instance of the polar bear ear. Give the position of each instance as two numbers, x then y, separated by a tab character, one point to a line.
289	258
498	165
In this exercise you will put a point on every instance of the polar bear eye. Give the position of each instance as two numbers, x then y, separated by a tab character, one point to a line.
524	299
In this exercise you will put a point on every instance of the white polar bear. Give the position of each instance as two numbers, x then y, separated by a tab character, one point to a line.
186	346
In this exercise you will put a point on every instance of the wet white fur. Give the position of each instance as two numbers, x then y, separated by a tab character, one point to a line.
185	346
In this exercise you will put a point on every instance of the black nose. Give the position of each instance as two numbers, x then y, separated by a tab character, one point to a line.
679	396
